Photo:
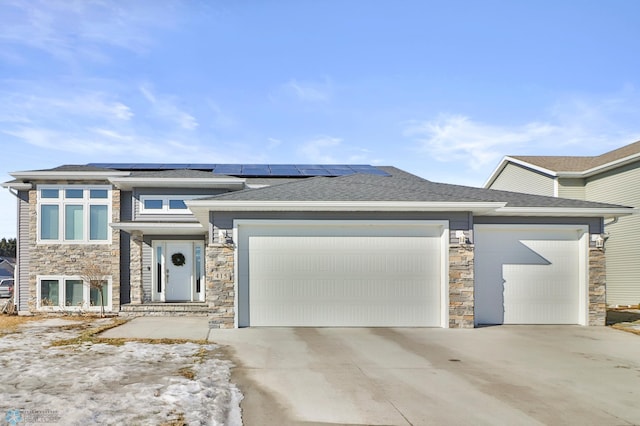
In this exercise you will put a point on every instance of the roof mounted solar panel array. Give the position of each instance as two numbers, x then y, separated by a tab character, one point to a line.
255	170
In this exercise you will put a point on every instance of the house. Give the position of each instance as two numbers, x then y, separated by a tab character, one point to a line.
7	267
612	177
305	245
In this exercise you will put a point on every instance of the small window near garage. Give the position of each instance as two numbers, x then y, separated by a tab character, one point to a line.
153	204
177	205
169	204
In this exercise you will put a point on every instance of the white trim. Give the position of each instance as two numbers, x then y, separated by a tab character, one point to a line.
564	211
562	174
128	183
161	228
556	187
86	294
583	247
86	202
506	160
255	205
19	186
166	208
444	260
161	296
67	175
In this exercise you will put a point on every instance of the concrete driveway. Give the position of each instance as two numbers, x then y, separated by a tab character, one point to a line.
410	376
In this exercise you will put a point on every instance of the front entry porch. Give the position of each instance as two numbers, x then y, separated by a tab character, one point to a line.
167	275
178	272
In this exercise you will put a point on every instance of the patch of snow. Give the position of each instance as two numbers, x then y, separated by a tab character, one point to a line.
136	383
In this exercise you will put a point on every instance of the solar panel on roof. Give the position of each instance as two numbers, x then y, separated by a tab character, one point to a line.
224	169
255	169
285	171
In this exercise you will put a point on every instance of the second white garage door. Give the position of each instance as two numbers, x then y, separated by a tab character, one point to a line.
351	274
533	274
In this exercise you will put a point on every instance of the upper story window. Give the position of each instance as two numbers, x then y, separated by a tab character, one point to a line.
74	214
165	204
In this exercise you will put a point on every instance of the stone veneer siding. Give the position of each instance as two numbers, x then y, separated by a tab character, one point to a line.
71	259
135	267
461	284
220	295
597	287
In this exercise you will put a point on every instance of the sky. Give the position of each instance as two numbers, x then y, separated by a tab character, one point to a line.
443	89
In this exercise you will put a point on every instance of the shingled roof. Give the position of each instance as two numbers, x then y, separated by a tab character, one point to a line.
578	163
400	186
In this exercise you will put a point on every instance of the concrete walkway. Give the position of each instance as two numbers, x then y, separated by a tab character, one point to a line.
192	328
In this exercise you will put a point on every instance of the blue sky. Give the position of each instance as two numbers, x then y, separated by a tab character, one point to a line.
442	89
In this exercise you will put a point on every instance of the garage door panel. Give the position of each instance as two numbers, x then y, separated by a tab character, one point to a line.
353	280
527	276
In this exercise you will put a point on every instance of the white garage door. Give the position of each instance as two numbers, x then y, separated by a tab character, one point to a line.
341	274
532	275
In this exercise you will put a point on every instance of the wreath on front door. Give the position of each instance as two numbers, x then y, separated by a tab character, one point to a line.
178	259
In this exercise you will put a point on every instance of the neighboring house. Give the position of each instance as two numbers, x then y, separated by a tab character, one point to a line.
7	267
300	245
613	177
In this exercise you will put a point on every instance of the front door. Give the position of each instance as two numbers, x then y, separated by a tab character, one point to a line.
179	271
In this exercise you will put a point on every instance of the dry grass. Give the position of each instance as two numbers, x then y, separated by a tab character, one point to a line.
10	323
187	372
91	335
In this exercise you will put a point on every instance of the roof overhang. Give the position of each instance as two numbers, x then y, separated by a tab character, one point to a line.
35	175
18	186
201	208
158	228
128	183
607	213
581	174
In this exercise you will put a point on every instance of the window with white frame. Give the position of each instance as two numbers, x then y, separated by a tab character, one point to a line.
72	293
74	214
165	204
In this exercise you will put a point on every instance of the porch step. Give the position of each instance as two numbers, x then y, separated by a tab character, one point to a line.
165	309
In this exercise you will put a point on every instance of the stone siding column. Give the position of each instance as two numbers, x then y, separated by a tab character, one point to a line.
461	285
220	294
136	267
597	287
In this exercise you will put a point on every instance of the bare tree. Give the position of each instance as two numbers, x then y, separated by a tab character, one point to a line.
97	278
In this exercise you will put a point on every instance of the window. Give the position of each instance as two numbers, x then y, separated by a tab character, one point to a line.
75	214
165	204
71	293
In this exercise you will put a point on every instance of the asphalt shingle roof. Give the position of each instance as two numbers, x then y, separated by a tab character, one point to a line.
400	186
579	164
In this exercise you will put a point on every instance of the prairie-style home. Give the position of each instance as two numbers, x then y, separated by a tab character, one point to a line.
305	245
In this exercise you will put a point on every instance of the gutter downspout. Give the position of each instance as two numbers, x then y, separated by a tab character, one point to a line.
16	271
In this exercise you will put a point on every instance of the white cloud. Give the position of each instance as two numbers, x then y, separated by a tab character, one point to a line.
71	29
320	150
165	107
309	91
459	139
273	143
573	126
25	106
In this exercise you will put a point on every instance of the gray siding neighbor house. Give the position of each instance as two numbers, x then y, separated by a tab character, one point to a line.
613	177
304	245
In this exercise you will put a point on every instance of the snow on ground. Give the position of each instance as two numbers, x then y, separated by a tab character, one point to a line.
136	383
